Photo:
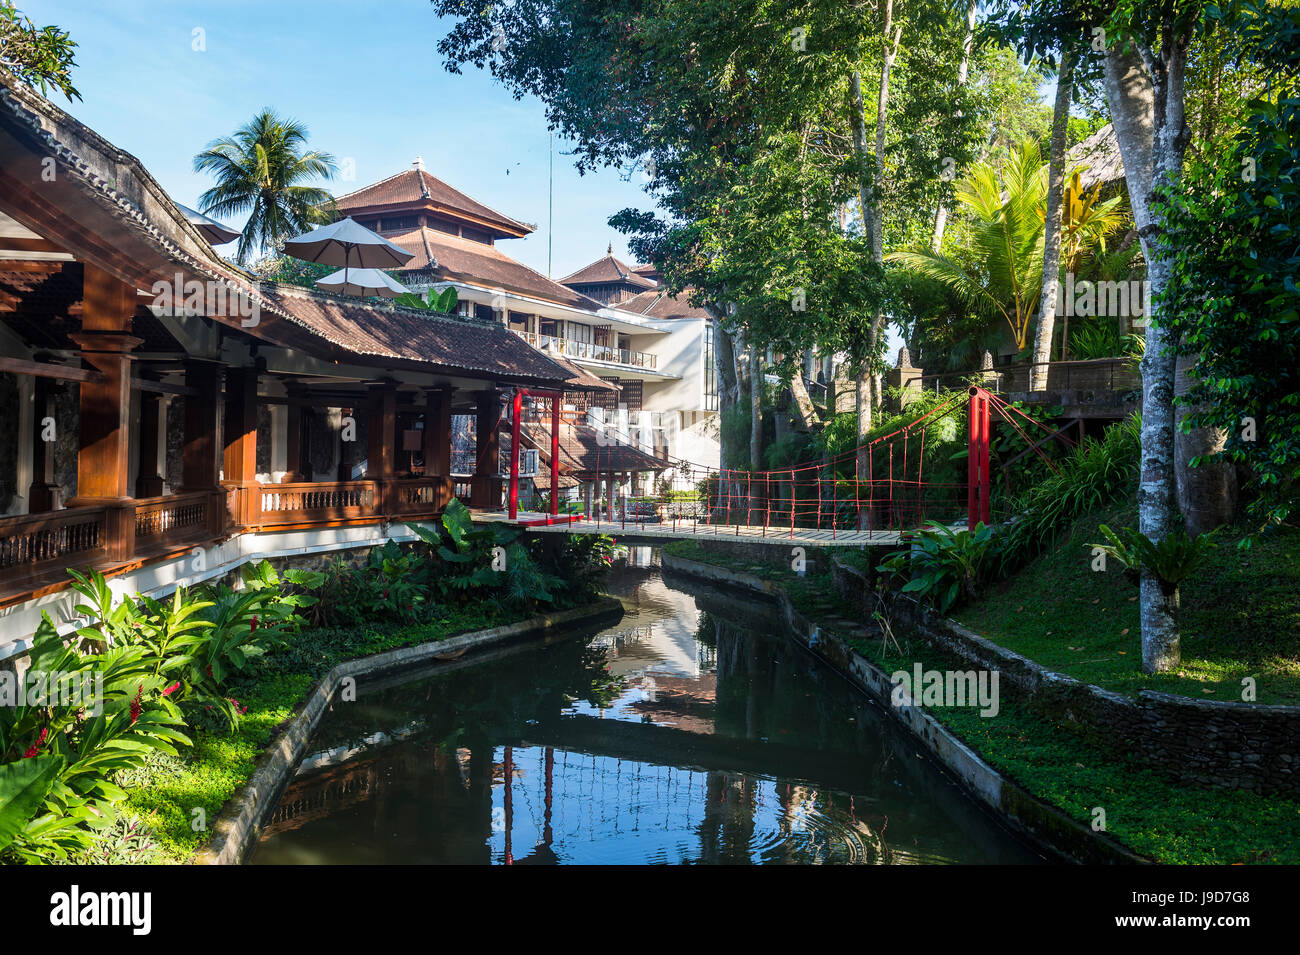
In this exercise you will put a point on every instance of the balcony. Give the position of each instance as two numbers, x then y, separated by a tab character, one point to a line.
586	351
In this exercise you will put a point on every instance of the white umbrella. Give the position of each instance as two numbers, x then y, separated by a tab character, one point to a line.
210	229
363	282
350	244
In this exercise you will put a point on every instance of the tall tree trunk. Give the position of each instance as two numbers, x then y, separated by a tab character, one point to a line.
869	199
1145	95
1207	493
1052	226
963	70
724	359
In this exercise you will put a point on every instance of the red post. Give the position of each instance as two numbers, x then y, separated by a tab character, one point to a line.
977	463
555	455
516	412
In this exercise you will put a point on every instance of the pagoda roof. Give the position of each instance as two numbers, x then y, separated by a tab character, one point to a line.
416	189
608	270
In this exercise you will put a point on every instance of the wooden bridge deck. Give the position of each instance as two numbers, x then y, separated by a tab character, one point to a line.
655	532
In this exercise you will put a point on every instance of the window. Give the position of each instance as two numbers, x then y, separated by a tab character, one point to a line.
399	223
710	371
579	332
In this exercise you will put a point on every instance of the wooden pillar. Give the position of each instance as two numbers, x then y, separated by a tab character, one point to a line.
103	454
239	437
437	432
487	451
381	438
148	482
200	465
294	426
44	494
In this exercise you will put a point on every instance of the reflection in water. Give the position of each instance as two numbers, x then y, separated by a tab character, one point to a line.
686	733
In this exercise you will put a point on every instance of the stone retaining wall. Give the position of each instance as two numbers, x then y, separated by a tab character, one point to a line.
1253	746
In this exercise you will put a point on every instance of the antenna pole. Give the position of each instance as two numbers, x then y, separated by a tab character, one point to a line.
550	197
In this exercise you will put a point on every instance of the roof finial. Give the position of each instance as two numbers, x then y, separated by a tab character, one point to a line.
610	250
419	163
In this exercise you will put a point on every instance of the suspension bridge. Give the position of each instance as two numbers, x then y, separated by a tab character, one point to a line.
872	495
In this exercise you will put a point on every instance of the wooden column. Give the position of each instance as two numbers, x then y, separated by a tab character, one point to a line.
487	451
294	426
200	465
45	493
148	482
381	448
437	432
239	436
103	455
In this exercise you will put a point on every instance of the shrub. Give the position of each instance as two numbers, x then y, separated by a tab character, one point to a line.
943	566
1094	474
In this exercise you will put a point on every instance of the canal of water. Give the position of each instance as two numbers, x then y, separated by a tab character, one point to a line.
693	731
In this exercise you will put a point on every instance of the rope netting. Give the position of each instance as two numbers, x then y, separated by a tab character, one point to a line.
886	484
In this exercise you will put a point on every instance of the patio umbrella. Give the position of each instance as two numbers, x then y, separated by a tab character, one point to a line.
350	244
210	229
363	282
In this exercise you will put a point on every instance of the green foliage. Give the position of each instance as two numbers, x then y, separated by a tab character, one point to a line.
261	170
1094	474
943	566
1232	229
43	56
1175	558
433	301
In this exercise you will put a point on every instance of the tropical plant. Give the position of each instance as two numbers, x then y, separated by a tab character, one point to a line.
262	169
1172	560
433	301
1005	236
943	565
1095	473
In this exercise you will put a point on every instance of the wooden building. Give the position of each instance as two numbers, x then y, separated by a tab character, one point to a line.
160	405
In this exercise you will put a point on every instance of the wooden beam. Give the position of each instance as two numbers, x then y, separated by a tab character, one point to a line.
42	369
14	244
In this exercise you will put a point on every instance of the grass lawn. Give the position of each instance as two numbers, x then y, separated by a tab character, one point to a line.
1240	617
1155	816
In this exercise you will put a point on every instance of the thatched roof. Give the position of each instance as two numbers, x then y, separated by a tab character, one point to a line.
1100	154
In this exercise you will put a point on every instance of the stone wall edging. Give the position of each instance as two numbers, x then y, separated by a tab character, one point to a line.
1043	824
240	822
1215	743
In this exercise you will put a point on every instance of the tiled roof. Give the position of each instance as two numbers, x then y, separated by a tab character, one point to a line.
656	303
416	189
477	263
585	453
414	335
607	270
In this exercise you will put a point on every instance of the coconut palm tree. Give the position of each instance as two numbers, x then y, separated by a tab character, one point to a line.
1006	207
1004	236
262	169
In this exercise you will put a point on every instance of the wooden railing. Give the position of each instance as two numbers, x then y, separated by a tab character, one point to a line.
38	549
314	503
176	519
1106	376
589	351
416	496
37	544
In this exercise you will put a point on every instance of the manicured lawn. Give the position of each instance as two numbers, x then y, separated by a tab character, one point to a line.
1240	617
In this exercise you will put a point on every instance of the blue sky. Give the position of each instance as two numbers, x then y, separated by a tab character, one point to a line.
365	78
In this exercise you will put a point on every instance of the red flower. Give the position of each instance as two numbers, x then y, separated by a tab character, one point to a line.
35	748
135	704
238	709
252	627
172	689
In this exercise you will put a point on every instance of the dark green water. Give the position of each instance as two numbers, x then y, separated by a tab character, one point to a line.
687	733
